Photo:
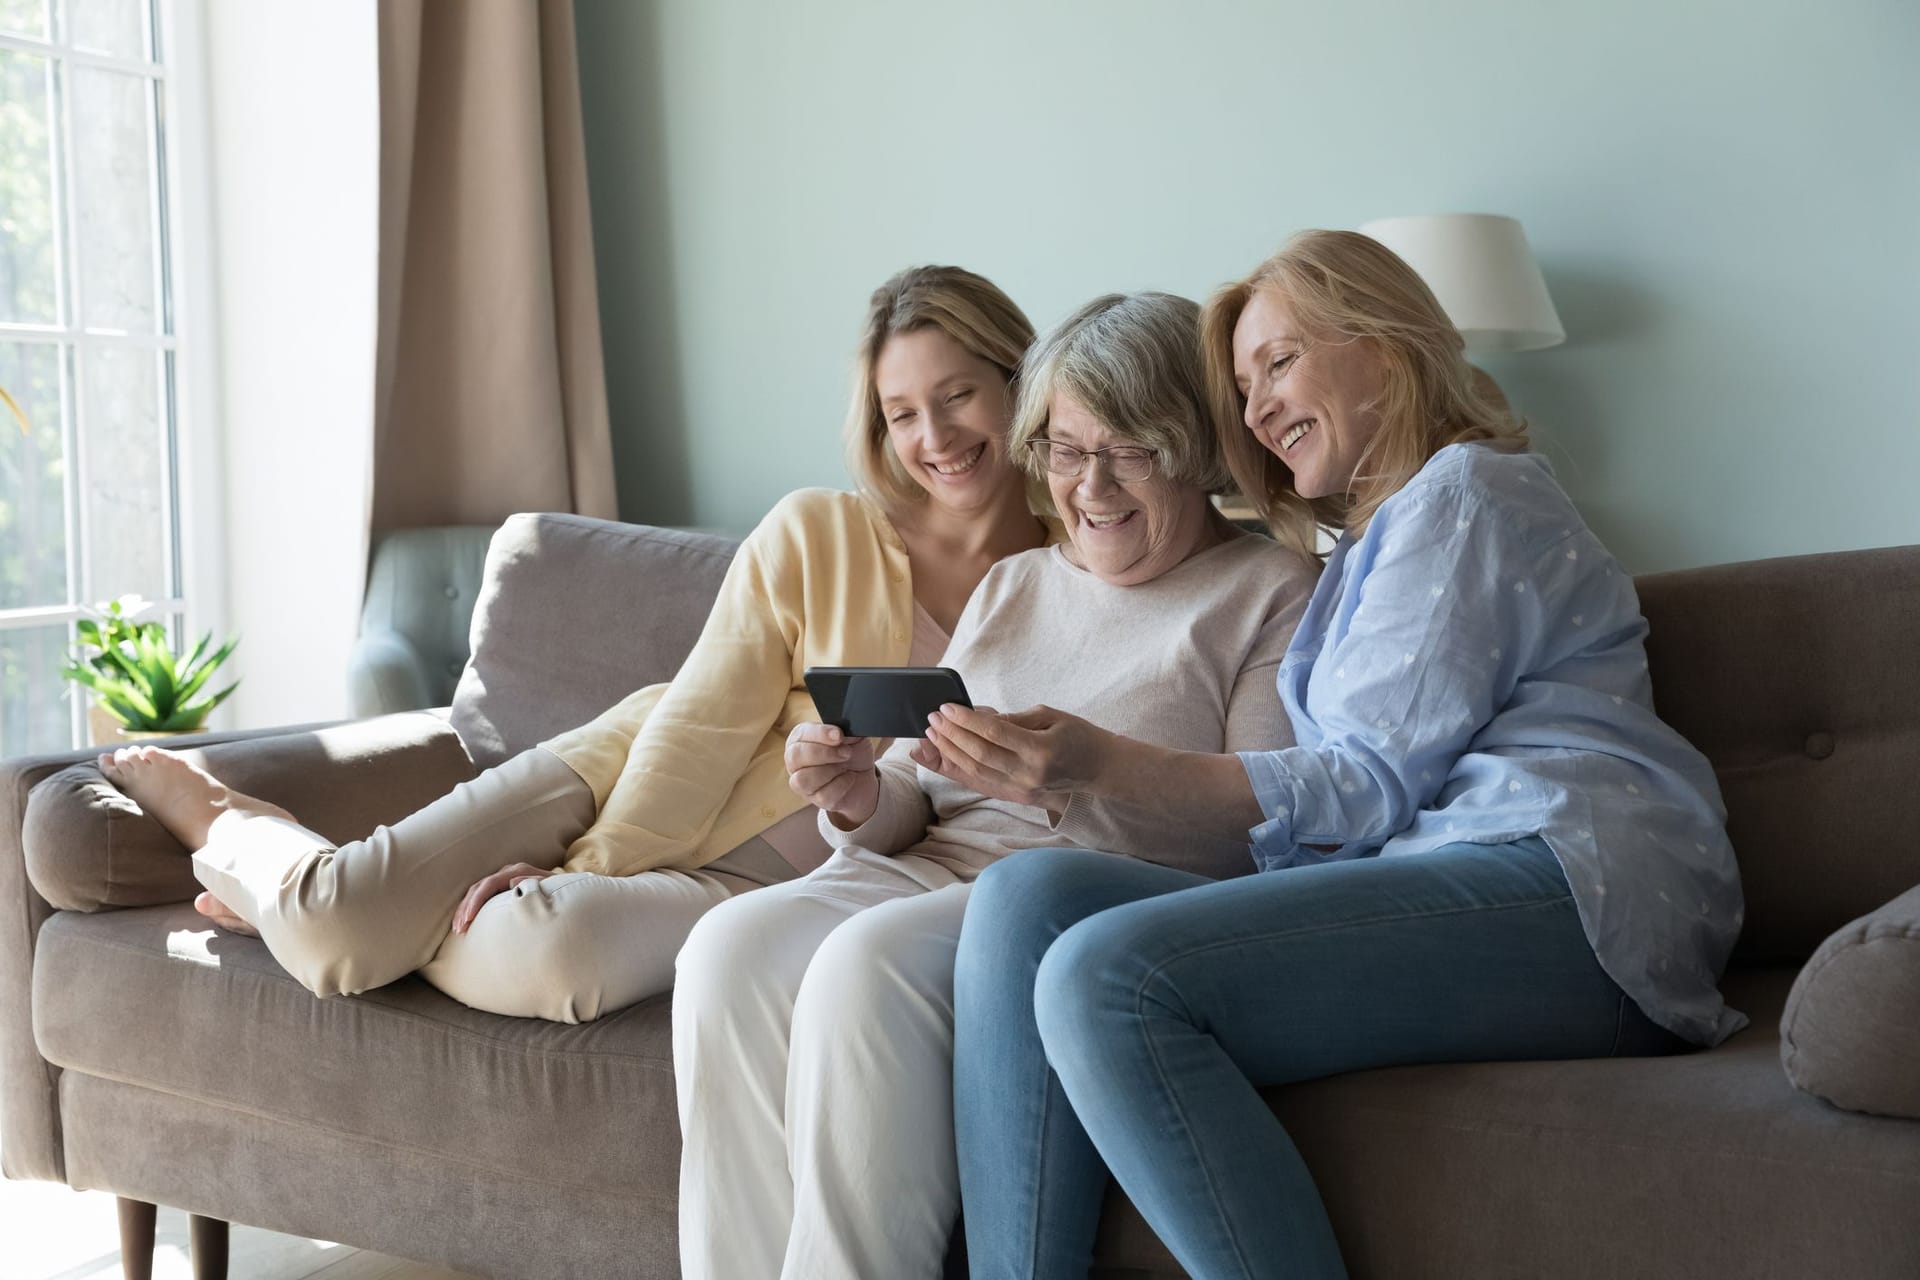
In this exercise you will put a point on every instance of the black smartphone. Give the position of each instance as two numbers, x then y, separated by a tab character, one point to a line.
883	702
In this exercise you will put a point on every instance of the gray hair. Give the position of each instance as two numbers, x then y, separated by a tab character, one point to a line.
1134	361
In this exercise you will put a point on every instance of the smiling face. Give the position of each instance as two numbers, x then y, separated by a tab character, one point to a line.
946	411
1124	534
1308	401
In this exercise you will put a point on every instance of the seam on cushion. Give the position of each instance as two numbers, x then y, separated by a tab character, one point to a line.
418	1019
654	535
1789	1060
1887	931
227	1105
113	880
1619	1026
1601	1138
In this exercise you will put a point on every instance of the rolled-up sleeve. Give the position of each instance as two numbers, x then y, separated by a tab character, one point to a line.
1448	609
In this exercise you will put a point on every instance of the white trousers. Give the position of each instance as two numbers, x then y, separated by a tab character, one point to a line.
813	1053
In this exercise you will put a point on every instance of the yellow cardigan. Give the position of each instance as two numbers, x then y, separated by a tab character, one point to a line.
683	772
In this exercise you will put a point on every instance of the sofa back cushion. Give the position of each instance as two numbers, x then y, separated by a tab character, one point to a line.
573	615
1800	679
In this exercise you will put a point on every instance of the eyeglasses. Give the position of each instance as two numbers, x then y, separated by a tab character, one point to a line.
1125	462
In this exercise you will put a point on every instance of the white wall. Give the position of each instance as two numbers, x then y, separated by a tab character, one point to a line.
1724	196
292	150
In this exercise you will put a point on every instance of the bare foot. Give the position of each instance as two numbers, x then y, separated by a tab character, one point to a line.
223	915
185	798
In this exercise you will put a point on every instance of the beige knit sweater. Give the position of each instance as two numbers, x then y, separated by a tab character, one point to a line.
1187	661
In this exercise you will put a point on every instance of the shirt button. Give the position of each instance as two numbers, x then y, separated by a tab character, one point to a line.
896	576
767	811
1819	746
453	593
899	635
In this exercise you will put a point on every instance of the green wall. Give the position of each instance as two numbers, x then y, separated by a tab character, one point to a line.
1725	199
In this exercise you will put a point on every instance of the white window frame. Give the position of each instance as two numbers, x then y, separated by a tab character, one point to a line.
180	206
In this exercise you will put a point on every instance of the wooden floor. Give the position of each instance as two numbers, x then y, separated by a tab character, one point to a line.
52	1233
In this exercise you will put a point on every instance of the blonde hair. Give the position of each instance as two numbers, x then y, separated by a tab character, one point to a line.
966	307
1341	286
1133	361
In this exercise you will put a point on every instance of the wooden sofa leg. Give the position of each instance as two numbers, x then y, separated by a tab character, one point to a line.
208	1237
137	1219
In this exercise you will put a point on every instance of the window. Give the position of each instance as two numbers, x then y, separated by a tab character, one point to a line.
88	473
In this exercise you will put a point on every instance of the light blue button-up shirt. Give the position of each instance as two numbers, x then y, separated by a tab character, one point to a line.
1473	669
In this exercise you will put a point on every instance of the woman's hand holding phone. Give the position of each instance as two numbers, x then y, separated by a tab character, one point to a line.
1037	757
831	771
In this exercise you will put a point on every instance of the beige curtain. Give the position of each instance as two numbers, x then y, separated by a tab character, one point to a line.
490	394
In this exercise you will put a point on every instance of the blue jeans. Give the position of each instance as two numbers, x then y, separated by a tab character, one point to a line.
1113	1014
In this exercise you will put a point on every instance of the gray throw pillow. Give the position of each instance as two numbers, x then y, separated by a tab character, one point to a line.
1851	1030
573	615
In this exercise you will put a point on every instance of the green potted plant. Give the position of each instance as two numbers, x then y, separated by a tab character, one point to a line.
140	688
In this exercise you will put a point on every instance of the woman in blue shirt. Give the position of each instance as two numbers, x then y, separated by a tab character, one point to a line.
1485	844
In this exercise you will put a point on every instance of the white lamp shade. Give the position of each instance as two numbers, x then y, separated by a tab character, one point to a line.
1480	268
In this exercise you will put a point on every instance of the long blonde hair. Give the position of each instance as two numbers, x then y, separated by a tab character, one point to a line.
968	308
1341	286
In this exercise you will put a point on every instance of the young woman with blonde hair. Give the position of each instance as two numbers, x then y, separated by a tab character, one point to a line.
562	883
1485	844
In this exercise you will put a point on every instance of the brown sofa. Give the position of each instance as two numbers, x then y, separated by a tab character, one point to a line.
144	1055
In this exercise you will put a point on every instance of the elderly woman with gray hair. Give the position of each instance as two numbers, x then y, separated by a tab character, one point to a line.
813	1021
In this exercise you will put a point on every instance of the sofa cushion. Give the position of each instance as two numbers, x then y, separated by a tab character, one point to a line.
1785	673
305	1181
574	614
1851	1030
1706	1164
88	847
154	997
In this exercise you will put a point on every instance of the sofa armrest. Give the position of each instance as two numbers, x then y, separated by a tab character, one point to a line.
386	672
1851	1030
342	780
90	848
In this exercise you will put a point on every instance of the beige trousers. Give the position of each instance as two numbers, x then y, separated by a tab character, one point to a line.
345	919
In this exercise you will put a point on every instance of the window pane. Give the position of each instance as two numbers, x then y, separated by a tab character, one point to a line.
33	480
126	540
28	289
107	26
24	18
34	711
112	170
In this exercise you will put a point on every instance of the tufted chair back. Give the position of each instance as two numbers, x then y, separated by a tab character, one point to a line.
413	626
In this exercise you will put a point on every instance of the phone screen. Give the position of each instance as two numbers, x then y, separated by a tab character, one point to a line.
883	702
